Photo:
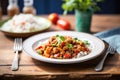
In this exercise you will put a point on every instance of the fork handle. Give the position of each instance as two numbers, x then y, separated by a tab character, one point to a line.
15	62
99	67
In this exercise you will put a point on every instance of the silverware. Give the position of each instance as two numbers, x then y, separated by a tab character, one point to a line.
17	48
110	50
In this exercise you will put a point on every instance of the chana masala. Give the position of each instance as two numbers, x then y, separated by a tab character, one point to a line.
63	47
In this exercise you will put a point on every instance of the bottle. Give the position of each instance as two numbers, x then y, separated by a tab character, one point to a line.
28	7
0	13
12	8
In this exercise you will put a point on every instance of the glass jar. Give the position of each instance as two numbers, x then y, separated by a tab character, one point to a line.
12	8
28	7
0	13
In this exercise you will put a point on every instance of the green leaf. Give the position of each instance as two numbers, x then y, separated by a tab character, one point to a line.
57	35
99	0
69	45
82	5
86	42
61	38
75	38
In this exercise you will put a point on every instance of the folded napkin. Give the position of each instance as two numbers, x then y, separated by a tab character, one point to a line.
112	37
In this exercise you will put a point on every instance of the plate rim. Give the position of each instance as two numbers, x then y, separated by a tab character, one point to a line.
67	61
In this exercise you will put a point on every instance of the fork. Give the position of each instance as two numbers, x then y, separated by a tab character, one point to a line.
110	50
17	48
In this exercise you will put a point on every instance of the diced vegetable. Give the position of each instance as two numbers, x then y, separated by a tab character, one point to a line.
67	55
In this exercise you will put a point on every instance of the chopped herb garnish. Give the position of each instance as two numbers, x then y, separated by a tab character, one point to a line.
86	42
57	35
78	40
75	38
61	38
54	45
69	45
39	52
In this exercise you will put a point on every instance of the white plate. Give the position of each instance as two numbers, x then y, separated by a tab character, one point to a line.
97	46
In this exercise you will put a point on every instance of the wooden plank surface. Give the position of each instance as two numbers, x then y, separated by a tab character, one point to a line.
33	69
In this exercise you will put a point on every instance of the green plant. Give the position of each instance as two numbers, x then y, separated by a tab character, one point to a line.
82	5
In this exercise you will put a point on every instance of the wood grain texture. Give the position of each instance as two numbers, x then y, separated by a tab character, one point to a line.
31	69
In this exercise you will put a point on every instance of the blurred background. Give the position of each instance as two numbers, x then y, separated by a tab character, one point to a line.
50	6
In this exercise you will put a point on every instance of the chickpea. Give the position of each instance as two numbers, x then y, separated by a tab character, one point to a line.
59	49
51	56
79	47
55	50
82	48
44	47
65	48
68	40
63	52
48	50
81	43
60	55
46	54
73	42
75	46
74	55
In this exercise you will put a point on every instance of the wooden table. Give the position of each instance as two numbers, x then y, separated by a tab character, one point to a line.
31	69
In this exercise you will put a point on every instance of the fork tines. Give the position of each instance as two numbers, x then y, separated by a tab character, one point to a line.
17	44
111	49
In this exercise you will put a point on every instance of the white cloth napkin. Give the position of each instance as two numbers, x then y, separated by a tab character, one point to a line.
112	37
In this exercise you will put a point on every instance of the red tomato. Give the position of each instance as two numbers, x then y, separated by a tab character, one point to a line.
53	17
86	49
63	44
38	47
77	51
67	55
64	24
